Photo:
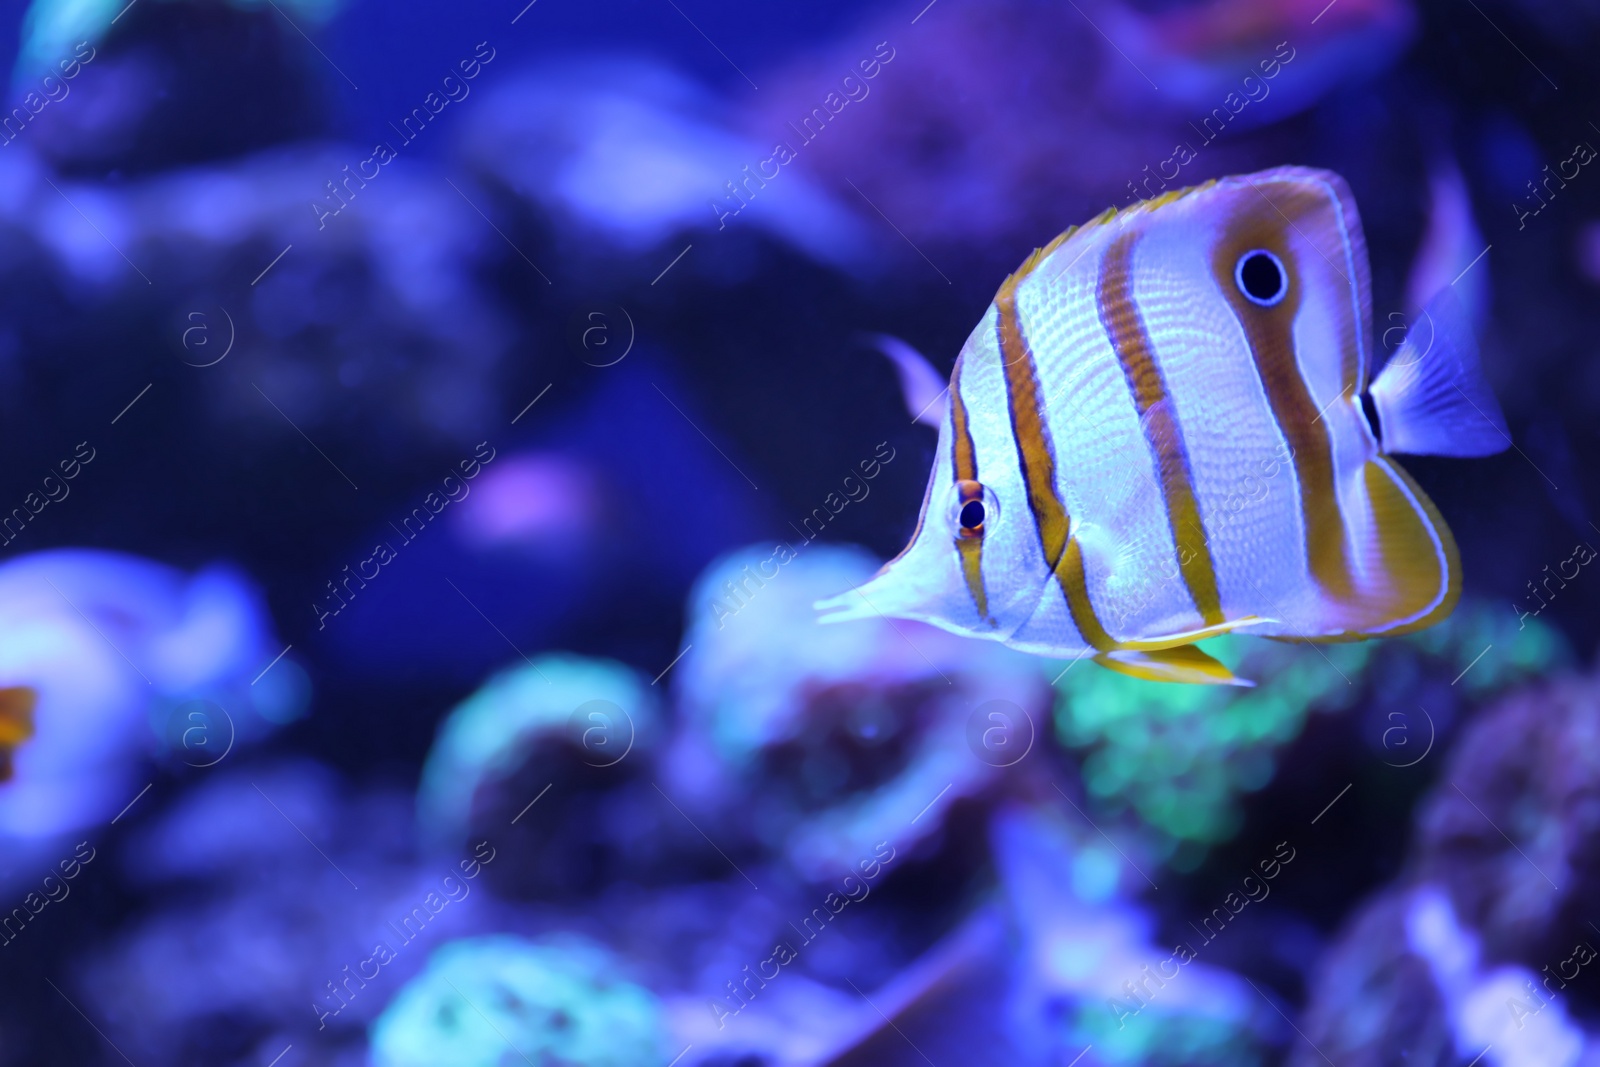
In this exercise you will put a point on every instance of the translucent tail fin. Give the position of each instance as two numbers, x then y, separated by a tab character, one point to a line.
1432	398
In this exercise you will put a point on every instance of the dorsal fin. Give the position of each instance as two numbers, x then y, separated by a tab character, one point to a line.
1109	215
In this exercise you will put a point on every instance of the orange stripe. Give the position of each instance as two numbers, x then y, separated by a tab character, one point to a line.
1125	327
964	458
1269	332
1036	457
1416	571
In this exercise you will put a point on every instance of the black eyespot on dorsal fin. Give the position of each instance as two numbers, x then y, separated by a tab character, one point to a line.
1369	408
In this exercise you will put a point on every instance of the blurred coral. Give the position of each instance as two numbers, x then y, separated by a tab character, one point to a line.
847	729
1183	757
558	1000
574	719
1471	949
1011	121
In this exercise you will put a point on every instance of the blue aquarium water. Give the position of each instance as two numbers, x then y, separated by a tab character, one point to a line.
430	430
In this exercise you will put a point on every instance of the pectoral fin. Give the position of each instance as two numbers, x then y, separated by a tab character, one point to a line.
1182	663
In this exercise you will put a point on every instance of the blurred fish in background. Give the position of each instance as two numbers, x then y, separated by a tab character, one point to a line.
127	659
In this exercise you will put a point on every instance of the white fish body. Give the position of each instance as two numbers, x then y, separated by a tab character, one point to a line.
1162	430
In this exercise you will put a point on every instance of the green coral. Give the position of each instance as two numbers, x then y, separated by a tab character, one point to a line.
1512	649
487	1001
1181	1039
1180	757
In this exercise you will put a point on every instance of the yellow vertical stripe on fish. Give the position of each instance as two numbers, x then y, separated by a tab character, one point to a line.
1120	315
1269	332
1415	552
1036	457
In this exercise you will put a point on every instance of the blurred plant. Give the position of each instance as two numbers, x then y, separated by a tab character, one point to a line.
1180	1039
1181	757
487	1001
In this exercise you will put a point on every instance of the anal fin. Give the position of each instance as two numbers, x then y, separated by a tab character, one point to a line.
1184	664
1151	644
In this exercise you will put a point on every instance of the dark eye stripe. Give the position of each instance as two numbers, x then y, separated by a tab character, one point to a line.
964	458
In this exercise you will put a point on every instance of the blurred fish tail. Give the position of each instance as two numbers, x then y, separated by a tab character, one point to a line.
1432	398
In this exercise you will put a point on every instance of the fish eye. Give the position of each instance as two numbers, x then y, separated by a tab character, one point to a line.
1261	277
973	509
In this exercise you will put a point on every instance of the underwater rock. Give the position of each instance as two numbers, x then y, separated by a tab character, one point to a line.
1473	951
1512	833
828	739
109	88
282	906
487	1001
635	153
51	27
378	291
1374	1001
1409	982
1090	971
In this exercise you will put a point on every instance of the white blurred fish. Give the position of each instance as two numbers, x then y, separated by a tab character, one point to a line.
1162	430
